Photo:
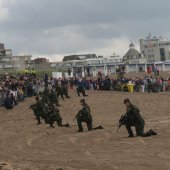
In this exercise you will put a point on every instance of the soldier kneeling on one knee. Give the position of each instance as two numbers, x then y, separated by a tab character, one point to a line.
133	117
84	116
54	116
37	109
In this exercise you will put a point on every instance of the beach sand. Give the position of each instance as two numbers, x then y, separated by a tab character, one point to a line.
28	146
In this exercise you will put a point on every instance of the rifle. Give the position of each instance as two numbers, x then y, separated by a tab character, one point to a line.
122	121
79	113
75	118
32	106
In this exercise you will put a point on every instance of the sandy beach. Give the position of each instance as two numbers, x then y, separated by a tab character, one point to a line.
28	146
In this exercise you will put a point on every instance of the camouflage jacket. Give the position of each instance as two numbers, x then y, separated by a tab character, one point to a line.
53	96
85	112
37	108
54	112
133	116
45	108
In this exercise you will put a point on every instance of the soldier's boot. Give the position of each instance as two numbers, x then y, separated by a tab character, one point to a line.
80	126
98	127
78	93
51	122
89	126
38	119
67	96
51	125
79	130
59	122
83	92
131	135
57	103
84	95
46	120
151	132
66	125
130	132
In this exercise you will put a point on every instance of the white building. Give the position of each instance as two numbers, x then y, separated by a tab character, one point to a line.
133	56
8	61
89	66
155	49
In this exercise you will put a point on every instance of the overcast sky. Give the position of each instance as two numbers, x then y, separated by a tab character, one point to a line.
54	28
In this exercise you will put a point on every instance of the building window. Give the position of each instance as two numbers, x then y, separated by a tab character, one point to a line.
53	65
162	54
15	58
17	65
8	66
5	59
8	53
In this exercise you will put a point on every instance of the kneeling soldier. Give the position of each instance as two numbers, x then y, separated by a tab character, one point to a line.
54	116
84	116
37	109
133	118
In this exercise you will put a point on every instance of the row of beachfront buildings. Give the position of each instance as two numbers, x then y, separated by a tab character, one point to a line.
152	50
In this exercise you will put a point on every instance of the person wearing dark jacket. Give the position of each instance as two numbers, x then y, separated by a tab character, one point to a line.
7	102
134	118
81	88
84	116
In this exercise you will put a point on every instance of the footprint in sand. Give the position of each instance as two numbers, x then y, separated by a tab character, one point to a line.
164	121
29	142
5	166
142	141
108	135
88	153
72	139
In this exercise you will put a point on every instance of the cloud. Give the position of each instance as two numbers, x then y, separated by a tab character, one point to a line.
55	28
3	13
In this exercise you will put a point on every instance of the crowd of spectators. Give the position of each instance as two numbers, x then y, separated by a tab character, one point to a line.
145	84
15	88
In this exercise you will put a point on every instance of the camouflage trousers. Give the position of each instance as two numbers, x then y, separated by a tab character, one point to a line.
81	90
139	130
87	120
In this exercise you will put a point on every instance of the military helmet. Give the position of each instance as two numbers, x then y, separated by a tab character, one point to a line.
37	98
82	101
126	100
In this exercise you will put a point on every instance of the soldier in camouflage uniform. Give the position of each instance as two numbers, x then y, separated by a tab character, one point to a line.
84	116
53	97
46	92
59	91
45	108
37	109
134	118
81	88
64	86
54	116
